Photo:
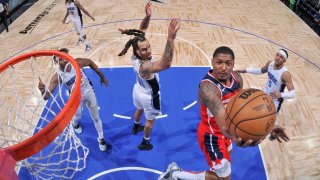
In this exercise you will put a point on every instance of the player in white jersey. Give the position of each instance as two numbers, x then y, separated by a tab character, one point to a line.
66	75
278	79
146	91
74	9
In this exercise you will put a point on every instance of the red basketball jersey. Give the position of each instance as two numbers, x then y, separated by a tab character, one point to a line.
208	123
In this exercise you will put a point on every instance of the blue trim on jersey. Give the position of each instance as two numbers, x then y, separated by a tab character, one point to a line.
224	89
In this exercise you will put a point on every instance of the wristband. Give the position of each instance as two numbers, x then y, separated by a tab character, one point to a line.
256	71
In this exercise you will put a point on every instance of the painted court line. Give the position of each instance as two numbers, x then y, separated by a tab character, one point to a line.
125	169
162	116
190	105
120	116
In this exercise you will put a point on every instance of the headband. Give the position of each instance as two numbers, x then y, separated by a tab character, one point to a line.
283	54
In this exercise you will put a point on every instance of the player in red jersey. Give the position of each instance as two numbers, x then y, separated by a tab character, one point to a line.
215	91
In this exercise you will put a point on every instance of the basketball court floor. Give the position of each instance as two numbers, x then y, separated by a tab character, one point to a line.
255	30
174	135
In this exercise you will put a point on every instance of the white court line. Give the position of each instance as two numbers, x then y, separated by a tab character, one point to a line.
264	162
120	116
125	169
162	116
190	105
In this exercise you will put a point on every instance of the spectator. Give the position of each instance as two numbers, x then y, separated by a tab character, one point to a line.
3	15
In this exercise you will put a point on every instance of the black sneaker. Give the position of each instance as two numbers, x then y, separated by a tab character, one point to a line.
137	128
145	145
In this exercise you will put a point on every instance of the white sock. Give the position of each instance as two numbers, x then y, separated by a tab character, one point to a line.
189	175
136	122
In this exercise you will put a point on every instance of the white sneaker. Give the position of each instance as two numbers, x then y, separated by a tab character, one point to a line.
88	48
173	167
77	128
102	144
79	41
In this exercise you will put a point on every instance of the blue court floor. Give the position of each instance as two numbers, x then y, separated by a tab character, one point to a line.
174	137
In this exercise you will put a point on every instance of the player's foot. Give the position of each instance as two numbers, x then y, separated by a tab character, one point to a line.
137	128
77	128
102	144
88	48
173	167
79	41
145	145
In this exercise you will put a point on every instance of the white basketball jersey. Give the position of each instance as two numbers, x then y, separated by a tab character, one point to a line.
274	79
69	78
73	11
145	85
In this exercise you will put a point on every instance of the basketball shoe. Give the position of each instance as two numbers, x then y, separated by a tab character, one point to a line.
173	167
88	48
102	144
145	145
79	41
77	128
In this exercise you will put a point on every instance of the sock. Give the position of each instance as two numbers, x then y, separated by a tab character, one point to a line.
136	122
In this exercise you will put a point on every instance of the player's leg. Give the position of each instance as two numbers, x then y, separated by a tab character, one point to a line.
92	105
77	26
76	118
151	107
217	152
277	103
84	36
137	126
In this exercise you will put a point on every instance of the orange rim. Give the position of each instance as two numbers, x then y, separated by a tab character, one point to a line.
46	135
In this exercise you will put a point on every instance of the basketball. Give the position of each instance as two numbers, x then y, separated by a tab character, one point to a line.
251	114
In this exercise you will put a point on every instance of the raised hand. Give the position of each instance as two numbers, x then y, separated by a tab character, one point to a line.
173	29
148	9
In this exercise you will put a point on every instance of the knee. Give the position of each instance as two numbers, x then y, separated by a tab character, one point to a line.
223	169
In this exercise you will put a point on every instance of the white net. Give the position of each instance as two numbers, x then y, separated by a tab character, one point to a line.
24	113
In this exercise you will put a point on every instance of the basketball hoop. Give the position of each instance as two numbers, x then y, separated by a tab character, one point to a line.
23	108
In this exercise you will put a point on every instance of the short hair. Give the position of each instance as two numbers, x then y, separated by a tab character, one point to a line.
65	50
224	50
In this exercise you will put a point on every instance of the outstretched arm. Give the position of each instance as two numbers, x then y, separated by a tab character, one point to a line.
166	59
77	3
45	92
145	22
83	62
256	71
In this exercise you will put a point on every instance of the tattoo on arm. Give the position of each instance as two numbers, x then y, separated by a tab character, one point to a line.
168	52
147	132
208	96
145	23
